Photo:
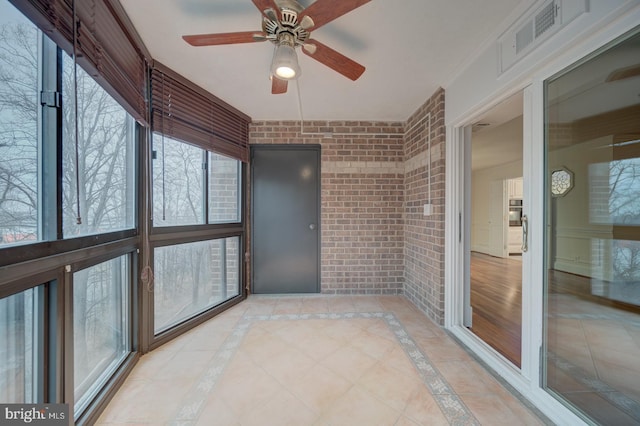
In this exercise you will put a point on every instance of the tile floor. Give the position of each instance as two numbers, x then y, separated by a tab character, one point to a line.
315	360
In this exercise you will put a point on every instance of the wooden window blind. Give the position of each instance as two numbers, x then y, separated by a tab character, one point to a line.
184	111
108	47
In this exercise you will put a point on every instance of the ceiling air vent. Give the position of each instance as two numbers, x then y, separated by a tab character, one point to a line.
532	28
524	37
546	18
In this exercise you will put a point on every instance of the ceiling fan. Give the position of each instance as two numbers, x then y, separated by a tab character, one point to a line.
288	25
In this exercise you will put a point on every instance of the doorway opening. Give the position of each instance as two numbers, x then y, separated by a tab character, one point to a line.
494	192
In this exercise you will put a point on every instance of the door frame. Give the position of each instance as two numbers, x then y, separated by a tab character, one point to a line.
603	28
525	380
528	379
287	147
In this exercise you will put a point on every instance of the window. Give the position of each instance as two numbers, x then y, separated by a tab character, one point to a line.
21	347
101	324
19	75
179	187
100	168
193	277
178	183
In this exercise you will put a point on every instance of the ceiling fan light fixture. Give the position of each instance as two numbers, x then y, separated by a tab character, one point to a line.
285	62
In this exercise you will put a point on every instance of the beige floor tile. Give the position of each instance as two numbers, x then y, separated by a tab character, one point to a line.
366	304
260	309
288	306
150	364
289	367
399	361
340	304
283	409
373	345
217	412
314	305
490	409
294	332
259	344
442	349
465	378
387	385
357	407
246	390
319	346
422	329
395	304
241	368
380	328
423	409
520	411
319	388
345	330
405	421
185	365
149	402
206	339
323	372
349	362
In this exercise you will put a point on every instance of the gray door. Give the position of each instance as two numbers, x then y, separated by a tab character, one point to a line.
285	229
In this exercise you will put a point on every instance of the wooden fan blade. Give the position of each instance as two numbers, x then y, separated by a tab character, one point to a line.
334	60
324	11
224	38
264	5
278	86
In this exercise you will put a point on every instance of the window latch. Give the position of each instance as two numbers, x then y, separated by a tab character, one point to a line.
50	99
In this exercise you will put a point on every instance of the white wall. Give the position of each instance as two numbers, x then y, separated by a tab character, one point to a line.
487	219
479	82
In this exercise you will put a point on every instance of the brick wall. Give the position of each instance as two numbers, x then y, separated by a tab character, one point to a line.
362	200
375	238
424	236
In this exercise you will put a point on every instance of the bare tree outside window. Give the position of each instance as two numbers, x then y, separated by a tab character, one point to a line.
193	277
105	152
18	195
18	129
105	186
177	183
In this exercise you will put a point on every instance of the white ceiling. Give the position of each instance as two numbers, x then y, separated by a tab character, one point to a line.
409	49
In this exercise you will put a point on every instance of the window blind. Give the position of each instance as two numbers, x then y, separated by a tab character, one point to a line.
184	111
108	47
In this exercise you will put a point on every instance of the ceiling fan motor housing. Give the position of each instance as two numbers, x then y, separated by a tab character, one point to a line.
288	29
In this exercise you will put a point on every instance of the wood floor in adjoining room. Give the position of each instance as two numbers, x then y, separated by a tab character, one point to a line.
496	299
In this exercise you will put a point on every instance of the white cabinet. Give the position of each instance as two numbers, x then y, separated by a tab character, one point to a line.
515	239
515	189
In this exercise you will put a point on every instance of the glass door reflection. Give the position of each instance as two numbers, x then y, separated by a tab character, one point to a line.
592	293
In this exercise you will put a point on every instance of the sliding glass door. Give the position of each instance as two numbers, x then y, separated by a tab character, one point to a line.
592	249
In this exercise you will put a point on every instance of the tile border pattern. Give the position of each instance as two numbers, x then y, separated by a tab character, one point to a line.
451	405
